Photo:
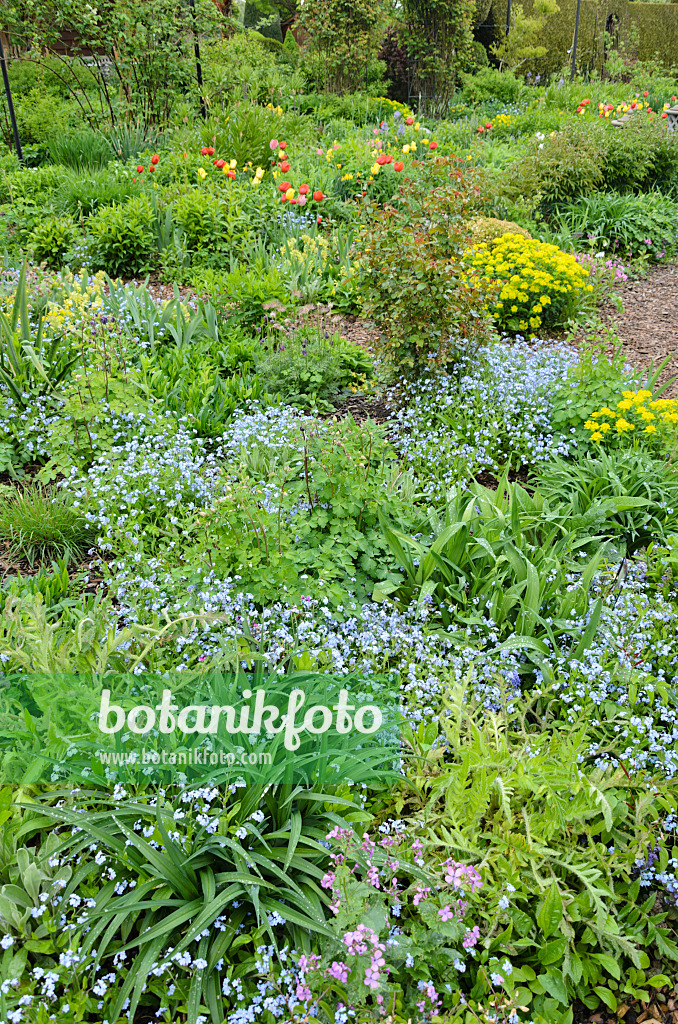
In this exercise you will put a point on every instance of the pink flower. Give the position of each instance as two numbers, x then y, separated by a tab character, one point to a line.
318	152
446	914
273	143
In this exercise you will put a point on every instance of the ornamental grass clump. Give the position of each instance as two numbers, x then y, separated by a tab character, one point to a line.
40	525
538	285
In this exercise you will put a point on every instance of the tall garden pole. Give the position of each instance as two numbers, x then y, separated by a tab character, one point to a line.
508	16
198	65
574	44
8	93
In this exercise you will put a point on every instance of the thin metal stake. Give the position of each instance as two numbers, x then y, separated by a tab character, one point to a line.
8	93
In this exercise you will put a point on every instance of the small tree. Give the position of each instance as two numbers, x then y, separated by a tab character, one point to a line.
148	44
345	36
521	44
438	36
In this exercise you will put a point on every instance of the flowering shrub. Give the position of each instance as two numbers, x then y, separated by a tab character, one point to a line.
538	283
638	419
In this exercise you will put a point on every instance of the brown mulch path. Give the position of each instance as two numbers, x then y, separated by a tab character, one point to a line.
648	325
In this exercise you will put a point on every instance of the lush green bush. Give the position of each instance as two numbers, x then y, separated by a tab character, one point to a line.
40	525
412	278
50	240
124	237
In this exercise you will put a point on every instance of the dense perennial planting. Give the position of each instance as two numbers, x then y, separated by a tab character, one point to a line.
306	393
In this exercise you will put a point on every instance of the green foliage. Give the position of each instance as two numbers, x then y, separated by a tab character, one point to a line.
307	518
51	239
489	84
29	364
41	525
83	193
647	490
597	380
124	237
502	557
244	136
345	38
276	868
523	41
84	150
213	222
640	226
565	839
411	272
438	36
310	371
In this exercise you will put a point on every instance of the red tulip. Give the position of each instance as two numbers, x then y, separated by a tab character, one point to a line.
151	169
231	175
220	163
480	128
304	190
294	201
140	169
210	151
284	167
398	165
203	151
665	114
319	219
433	145
382	159
134	180
646	94
389	159
318	196
155	159
409	120
283	145
284	185
488	124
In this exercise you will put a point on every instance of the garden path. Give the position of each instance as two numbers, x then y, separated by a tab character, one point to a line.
648	326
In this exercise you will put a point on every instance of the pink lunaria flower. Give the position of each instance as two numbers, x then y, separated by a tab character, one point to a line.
273	143
339	971
460	875
327	880
373	877
446	914
420	894
308	963
471	937
340	833
303	992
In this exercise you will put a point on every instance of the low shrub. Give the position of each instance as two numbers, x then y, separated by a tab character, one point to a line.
50	240
538	283
124	237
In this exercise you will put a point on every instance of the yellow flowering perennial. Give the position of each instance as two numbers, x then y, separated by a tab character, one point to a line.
535	281
637	416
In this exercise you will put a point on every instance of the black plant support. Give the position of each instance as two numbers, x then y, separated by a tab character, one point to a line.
198	65
10	104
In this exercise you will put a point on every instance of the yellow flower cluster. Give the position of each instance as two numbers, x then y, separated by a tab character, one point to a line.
534	280
315	250
637	413
68	315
